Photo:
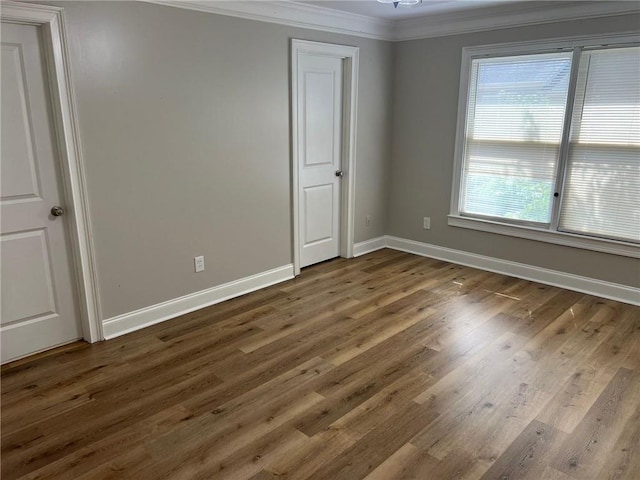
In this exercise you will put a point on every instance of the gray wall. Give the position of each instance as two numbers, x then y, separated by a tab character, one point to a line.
184	125
426	82
185	130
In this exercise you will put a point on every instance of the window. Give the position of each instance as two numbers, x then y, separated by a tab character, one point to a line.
602	189
549	141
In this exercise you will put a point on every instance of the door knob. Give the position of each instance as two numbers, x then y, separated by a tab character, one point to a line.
339	173
57	211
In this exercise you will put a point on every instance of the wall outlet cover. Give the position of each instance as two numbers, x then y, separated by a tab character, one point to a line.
199	264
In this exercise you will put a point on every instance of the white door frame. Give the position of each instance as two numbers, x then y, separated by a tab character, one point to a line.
350	56
65	124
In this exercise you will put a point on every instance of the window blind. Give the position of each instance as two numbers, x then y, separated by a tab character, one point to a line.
513	132
601	196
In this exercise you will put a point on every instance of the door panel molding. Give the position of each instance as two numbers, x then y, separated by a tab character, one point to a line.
35	274
25	183
350	57
65	124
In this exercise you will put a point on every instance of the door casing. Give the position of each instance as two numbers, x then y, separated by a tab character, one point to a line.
65	125
350	58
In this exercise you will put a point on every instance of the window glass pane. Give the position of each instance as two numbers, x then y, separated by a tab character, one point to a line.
602	188
514	126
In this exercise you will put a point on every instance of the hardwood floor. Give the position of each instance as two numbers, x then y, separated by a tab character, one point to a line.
389	366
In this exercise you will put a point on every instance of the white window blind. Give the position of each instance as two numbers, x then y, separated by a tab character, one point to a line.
601	195
514	125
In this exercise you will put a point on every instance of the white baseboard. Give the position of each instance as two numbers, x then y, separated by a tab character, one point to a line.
144	317
369	246
591	286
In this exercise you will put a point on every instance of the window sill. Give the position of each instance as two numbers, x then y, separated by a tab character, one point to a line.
559	238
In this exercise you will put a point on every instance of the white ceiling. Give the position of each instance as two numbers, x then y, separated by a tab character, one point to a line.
386	11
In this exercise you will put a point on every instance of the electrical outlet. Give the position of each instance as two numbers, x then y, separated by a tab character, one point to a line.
367	221
199	264
426	223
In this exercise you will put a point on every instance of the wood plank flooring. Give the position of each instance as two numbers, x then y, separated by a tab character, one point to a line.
388	366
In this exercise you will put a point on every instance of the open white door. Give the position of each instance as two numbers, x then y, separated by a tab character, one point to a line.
38	307
323	102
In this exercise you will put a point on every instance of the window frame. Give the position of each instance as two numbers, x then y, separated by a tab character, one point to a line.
520	229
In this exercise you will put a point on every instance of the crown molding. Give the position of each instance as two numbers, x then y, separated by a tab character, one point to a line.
313	17
292	14
505	16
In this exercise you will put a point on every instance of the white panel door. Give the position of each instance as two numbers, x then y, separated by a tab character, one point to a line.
319	157
38	309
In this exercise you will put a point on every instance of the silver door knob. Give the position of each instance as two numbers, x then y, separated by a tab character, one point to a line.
339	173
57	211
